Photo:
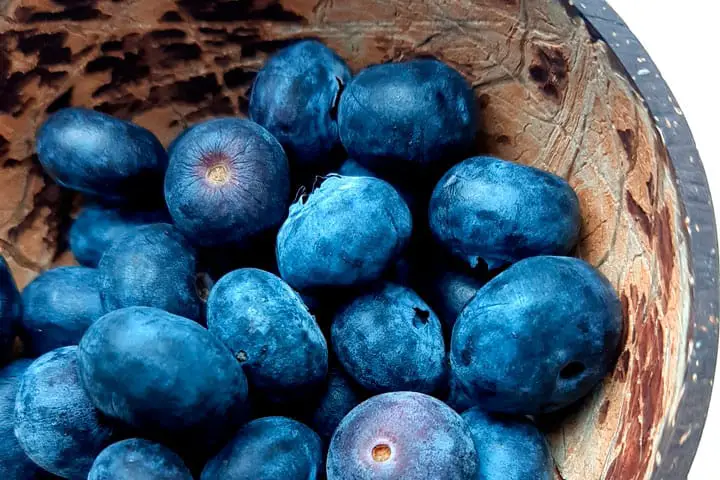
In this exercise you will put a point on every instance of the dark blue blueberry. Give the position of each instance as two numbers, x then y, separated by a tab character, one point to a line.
402	435
58	306
97	227
227	181
448	292
537	337
455	396
152	266
508	448
102	156
270	448
10	309
14	463
413	115
501	212
163	374
295	96
340	396
346	232
55	422
138	459
351	168
446	282
270	331
390	340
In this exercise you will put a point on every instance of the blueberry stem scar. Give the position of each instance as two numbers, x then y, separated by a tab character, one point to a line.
381	453
218	174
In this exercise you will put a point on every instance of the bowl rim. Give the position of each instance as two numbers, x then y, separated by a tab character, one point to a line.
681	436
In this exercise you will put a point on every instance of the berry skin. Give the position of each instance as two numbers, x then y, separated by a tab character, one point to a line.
270	331
102	156
138	459
402	435
59	306
351	168
449	292
14	463
537	337
340	396
55	421
164	375
455	396
97	227
295	96
424	109
270	448
151	266
508	448
345	233
488	209
10	309
228	181
390	340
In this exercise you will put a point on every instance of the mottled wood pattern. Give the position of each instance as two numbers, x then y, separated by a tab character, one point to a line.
549	94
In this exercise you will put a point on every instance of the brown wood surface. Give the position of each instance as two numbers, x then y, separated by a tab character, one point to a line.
549	95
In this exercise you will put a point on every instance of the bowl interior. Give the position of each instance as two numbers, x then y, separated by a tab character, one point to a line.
550	96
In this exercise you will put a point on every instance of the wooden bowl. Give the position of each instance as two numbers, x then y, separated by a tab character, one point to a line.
565	88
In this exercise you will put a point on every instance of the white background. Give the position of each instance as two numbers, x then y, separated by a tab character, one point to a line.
682	38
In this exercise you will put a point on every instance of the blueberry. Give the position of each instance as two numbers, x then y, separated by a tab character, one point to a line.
537	337
270	331
339	397
402	435
14	463
10	308
163	374
55	422
227	181
101	156
295	96
345	233
138	459
270	448
501	212
508	448
448	292
152	266
351	168
402	117
97	227
455	395
58	306
389	340
446	282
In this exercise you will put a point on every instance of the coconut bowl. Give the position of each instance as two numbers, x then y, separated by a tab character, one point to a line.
563	87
